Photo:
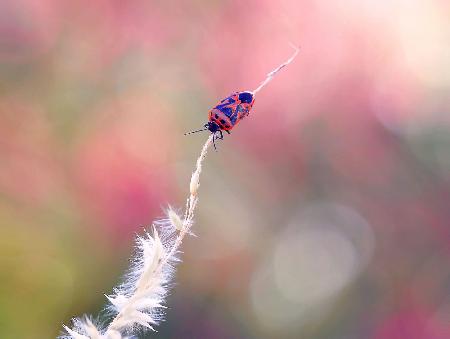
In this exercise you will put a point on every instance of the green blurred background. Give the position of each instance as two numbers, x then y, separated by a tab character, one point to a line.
326	214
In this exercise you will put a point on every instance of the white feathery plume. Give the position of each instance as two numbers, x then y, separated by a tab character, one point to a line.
83	329
139	300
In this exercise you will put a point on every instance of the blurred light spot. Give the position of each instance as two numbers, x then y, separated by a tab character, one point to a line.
424	34
311	265
319	253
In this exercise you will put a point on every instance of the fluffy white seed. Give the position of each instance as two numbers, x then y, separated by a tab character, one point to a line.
195	182
75	335
175	219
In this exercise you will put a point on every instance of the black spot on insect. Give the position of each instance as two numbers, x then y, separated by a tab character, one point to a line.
217	116
222	121
246	97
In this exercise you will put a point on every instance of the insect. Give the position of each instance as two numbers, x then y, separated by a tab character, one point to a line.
231	110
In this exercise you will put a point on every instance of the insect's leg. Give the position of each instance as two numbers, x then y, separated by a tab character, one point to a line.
228	132
221	135
214	141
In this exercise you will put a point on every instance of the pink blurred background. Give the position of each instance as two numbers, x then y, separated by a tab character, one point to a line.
325	214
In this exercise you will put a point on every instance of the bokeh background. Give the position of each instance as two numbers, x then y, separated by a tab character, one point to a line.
326	213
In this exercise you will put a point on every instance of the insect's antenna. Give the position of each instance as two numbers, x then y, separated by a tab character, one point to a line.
199	130
276	70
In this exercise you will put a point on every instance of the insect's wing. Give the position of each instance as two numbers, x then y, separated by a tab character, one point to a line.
243	110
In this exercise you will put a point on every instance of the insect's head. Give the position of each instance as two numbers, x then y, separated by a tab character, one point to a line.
212	127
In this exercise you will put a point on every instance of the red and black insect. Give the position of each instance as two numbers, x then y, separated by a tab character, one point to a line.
228	112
